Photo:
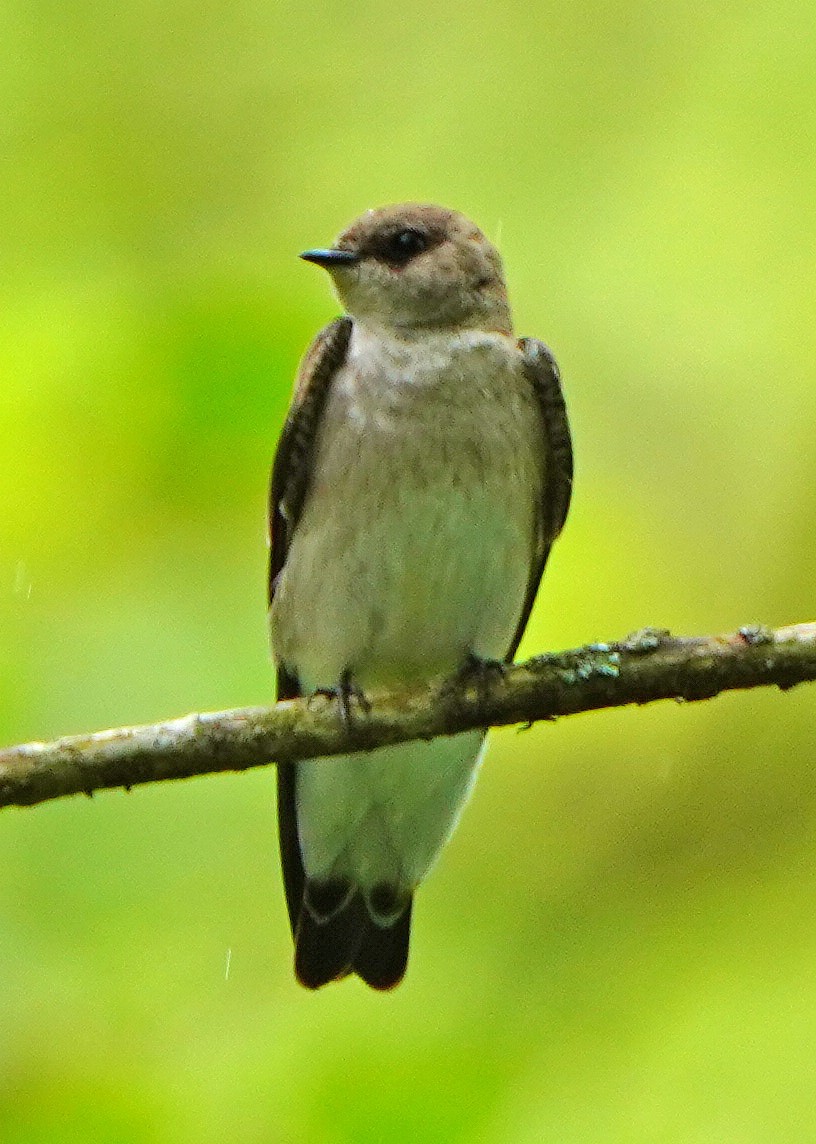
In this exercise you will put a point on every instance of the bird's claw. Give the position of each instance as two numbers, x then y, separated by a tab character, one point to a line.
346	693
479	673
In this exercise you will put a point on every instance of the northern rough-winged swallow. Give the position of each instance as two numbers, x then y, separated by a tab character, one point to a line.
423	472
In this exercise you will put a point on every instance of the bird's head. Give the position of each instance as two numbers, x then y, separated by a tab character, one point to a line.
417	266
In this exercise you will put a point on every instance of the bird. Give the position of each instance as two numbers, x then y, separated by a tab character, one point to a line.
422	474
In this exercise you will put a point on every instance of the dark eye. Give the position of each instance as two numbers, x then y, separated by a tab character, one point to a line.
401	247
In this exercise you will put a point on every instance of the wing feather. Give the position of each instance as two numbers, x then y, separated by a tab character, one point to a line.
542	372
289	488
292	468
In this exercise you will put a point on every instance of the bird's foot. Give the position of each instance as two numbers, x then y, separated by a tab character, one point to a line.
478	673
346	693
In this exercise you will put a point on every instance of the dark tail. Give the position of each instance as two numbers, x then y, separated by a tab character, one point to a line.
336	934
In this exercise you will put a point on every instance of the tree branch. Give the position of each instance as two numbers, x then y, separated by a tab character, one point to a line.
647	666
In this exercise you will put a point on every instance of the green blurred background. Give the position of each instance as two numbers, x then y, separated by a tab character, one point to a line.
619	945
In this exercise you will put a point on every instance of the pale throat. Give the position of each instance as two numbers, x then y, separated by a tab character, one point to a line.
426	357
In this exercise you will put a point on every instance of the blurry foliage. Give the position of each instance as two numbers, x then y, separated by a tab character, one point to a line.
619	944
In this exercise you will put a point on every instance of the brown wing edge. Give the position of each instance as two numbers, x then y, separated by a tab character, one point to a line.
289	487
541	370
291	469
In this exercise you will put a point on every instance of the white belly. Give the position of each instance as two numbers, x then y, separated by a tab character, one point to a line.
429	576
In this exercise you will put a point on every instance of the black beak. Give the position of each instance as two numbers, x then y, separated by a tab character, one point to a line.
330	258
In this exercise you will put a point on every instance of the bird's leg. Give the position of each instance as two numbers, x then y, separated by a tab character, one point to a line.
478	672
345	693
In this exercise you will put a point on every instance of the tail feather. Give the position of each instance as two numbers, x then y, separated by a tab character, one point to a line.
325	946
382	958
348	940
